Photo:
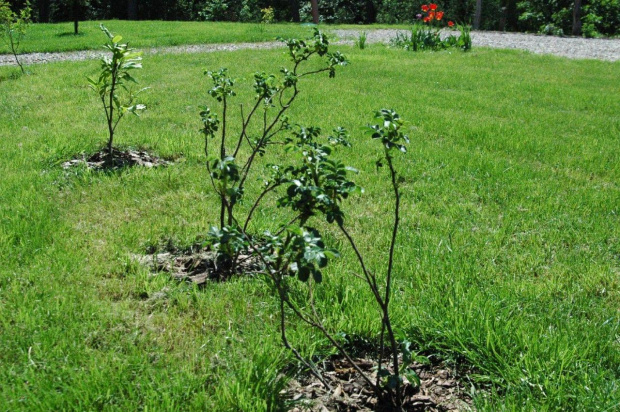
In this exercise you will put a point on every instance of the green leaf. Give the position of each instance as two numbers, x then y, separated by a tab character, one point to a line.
117	39
413	378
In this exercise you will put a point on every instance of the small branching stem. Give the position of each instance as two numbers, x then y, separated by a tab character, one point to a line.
244	126
14	47
266	130
209	166
111	110
256	203
223	206
287	345
388	286
316	323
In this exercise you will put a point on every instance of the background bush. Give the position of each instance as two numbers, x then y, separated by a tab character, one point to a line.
598	17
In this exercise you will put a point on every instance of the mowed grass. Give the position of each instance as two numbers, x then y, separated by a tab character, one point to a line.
58	37
507	266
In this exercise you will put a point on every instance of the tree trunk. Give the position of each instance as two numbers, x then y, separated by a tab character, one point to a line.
76	16
132	10
502	20
44	11
577	18
294	5
315	11
478	15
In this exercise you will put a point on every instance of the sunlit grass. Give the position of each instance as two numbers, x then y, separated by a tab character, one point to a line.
54	37
508	260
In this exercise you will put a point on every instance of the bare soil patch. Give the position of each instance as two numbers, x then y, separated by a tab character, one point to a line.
101	160
198	264
439	389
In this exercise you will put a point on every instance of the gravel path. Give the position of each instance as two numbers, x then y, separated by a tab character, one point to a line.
572	47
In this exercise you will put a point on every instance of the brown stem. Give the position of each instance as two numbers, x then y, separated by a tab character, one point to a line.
14	48
266	130
208	166
244	125
370	278
287	345
283	228
314	72
380	354
388	286
222	156
111	109
255	205
318	325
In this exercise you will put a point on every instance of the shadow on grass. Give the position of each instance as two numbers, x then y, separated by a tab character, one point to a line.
13	75
71	34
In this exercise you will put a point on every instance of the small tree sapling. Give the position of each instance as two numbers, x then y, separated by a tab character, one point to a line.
14	27
114	84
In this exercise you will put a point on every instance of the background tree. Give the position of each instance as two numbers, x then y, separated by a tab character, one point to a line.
294	5
132	9
315	11
76	6
13	26
478	14
577	18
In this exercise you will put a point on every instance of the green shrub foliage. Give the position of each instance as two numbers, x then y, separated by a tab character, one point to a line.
598	17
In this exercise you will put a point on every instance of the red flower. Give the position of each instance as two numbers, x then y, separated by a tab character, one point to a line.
433	6
431	15
450	23
426	19
424	8
439	15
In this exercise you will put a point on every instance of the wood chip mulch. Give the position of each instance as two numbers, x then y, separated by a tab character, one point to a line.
439	391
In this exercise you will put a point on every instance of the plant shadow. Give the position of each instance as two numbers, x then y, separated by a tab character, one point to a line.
13	75
71	34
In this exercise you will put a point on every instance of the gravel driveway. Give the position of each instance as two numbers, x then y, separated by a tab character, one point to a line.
572	47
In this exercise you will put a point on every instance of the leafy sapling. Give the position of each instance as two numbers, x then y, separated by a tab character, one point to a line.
315	186
14	27
114	84
228	165
295	255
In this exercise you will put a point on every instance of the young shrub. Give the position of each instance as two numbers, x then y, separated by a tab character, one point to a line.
14	27
114	84
312	185
274	96
315	187
361	40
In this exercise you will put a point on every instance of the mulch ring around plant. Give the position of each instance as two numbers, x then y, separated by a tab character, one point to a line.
198	265
120	159
439	389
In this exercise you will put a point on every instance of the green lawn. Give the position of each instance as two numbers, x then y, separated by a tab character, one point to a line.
59	36
508	261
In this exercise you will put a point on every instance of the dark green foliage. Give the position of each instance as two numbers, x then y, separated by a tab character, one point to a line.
555	17
317	183
552	16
